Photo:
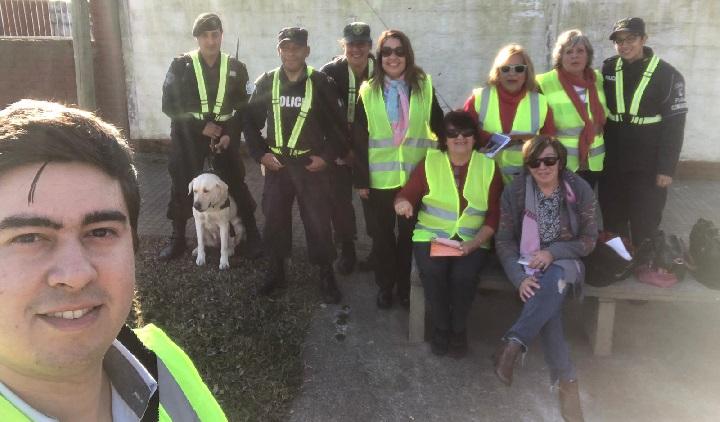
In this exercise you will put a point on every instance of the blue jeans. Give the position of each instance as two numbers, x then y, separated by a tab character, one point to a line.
542	314
450	285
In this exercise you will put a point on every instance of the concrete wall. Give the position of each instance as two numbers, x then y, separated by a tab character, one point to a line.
454	41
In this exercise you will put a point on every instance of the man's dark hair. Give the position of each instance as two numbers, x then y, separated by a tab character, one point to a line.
41	132
460	120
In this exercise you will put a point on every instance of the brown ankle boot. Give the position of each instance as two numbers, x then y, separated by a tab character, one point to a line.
570	401
505	357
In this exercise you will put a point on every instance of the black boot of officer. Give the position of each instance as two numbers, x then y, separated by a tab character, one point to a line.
275	277
328	287
346	263
177	244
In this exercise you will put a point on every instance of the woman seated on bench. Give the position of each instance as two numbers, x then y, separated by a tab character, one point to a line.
547	223
458	192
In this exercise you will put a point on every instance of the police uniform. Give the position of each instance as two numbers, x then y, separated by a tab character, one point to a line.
643	139
304	133
347	85
189	113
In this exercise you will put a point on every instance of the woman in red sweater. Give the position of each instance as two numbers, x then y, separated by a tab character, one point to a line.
455	192
511	104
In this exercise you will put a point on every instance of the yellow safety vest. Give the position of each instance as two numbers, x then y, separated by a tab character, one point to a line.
390	164
220	98
280	146
631	115
529	118
183	396
568	122
439	214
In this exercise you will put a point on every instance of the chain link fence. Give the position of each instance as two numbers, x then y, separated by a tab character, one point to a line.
35	18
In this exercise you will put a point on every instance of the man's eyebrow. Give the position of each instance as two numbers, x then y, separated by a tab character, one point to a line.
106	215
18	221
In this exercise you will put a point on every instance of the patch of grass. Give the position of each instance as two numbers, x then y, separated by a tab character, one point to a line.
248	348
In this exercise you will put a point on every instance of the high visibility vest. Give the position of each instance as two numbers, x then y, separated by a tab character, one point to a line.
183	394
529	118
568	122
631	115
390	164
352	91
282	147
202	91
439	214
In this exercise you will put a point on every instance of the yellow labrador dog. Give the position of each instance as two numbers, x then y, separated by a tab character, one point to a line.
216	218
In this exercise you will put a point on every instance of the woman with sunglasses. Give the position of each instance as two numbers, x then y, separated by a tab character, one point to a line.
575	94
547	223
510	104
467	214
396	121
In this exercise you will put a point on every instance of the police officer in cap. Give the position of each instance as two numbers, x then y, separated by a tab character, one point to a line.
300	108
643	134
349	71
204	94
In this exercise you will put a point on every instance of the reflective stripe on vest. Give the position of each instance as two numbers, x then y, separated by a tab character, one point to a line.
529	117
439	214
183	394
202	91
637	95
390	165
568	121
352	91
304	110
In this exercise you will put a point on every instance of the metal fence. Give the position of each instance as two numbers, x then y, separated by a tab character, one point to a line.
35	18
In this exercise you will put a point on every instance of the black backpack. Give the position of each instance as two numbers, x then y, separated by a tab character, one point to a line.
705	250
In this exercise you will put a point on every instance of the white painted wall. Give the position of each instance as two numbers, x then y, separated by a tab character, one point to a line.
454	40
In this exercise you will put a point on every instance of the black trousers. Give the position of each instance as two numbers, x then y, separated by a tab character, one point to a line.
313	194
188	151
631	199
343	212
450	285
393	253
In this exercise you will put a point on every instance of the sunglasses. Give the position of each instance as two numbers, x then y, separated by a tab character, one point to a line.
454	133
517	68
548	161
387	51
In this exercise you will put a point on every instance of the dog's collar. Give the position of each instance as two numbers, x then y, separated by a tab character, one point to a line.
226	203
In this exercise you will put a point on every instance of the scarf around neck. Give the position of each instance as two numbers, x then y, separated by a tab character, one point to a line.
591	128
397	107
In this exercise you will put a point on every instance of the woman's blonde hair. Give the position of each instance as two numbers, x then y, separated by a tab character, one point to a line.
503	56
568	39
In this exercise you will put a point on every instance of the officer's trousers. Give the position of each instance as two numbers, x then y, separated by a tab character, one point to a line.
188	151
631	198
343	212
312	190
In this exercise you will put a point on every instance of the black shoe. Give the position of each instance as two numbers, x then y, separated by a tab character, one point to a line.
404	299
439	342
384	299
328	287
252	248
346	264
458	346
274	279
367	264
177	245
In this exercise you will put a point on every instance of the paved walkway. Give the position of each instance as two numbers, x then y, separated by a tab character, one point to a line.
663	368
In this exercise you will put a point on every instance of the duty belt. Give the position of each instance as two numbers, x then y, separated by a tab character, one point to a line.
636	120
218	118
289	152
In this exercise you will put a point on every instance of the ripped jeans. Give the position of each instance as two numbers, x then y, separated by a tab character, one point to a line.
542	314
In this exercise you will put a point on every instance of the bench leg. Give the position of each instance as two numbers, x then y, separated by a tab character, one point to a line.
601	335
416	320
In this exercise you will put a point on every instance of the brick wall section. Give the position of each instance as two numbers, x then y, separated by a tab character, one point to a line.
37	68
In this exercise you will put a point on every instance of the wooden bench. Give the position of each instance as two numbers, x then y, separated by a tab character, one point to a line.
600	323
